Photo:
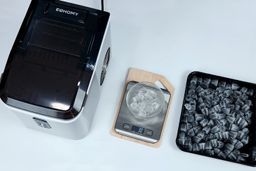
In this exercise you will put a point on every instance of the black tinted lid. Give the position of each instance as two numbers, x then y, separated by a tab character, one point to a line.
46	72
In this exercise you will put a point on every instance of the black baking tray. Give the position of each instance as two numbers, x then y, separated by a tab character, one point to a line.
222	144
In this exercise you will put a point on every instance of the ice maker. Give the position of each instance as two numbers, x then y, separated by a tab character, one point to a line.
56	68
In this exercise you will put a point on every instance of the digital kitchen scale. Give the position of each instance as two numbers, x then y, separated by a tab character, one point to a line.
148	130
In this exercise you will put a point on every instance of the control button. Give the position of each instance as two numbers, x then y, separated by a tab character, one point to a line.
149	133
126	126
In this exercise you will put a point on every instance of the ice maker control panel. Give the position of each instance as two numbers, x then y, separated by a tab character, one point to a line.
42	123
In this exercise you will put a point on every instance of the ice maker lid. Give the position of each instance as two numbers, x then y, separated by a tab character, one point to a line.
46	71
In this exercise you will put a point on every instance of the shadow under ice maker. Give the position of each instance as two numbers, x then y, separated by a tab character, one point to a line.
55	71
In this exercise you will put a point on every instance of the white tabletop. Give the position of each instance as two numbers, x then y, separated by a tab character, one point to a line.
169	37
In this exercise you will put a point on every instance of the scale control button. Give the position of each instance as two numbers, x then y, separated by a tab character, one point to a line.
149	132
126	126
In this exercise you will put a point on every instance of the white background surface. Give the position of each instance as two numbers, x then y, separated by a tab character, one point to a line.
169	37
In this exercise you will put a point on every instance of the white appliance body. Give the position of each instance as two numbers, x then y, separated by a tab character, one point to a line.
77	127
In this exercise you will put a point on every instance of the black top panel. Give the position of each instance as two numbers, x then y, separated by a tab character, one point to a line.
46	67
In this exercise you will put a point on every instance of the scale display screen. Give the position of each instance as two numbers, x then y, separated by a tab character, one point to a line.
138	130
